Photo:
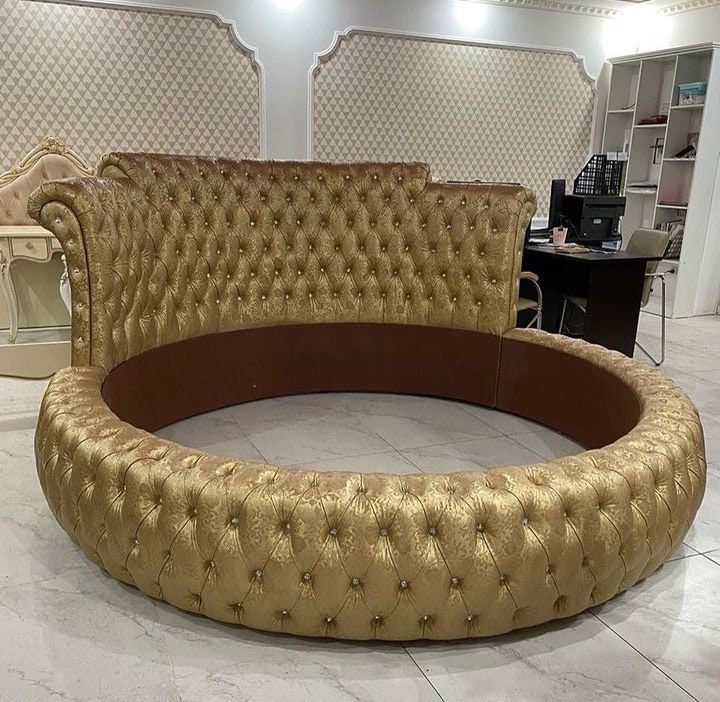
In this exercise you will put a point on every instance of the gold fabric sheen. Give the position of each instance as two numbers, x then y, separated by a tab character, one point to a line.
168	248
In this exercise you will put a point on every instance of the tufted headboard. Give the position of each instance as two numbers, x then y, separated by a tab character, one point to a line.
163	248
49	160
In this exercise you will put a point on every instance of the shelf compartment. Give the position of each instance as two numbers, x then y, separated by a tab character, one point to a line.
640	168
655	90
639	213
665	215
691	68
624	87
681	125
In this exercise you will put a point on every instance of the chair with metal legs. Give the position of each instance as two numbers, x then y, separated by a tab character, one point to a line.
647	242
525	303
649	279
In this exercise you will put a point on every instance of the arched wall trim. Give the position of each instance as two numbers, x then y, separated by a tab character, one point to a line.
427	132
255	105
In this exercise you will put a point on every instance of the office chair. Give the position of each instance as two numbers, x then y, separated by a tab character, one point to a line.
525	303
645	242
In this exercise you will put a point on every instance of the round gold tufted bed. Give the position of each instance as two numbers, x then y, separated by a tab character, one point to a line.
200	283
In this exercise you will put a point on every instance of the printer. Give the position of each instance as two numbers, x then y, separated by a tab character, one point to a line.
592	213
592	218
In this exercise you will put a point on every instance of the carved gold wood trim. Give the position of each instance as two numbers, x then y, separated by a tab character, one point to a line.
49	145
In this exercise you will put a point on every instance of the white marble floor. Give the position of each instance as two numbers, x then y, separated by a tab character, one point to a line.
68	632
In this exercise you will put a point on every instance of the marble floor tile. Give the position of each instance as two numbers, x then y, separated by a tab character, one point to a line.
712	376
673	618
549	444
504	422
215	432
407	421
694	334
20	402
711	429
213	661
475	454
165	691
704	534
306	429
80	636
682	551
32	546
577	659
704	394
714	556
386	462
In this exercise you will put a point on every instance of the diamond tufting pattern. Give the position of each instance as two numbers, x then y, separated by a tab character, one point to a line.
180	246
347	555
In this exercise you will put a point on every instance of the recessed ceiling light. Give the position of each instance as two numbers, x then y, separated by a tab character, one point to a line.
469	15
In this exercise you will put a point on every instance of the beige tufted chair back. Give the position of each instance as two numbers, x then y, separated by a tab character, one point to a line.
163	248
16	186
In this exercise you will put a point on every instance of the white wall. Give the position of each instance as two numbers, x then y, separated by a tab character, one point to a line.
695	27
643	28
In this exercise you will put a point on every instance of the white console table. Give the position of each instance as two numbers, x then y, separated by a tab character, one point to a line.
22	243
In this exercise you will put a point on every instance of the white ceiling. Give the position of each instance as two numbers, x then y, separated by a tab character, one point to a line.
607	8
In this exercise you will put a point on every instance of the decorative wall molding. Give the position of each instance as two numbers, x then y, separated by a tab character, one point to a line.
556	6
322	57
687	6
220	20
418	119
253	65
601	11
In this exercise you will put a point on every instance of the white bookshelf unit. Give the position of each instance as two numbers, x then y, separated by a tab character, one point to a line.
662	187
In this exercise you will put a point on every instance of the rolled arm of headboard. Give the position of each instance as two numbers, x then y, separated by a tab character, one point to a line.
104	227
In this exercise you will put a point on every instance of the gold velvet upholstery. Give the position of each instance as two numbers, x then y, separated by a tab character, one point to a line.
166	248
179	247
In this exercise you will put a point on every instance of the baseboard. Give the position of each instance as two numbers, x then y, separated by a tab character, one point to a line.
34	360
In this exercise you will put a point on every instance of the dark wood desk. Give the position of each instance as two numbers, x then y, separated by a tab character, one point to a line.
612	282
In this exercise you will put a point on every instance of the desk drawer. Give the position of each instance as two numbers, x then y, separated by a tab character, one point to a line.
30	248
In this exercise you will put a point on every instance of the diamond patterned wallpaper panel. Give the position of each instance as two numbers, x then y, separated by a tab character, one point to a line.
107	79
492	113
